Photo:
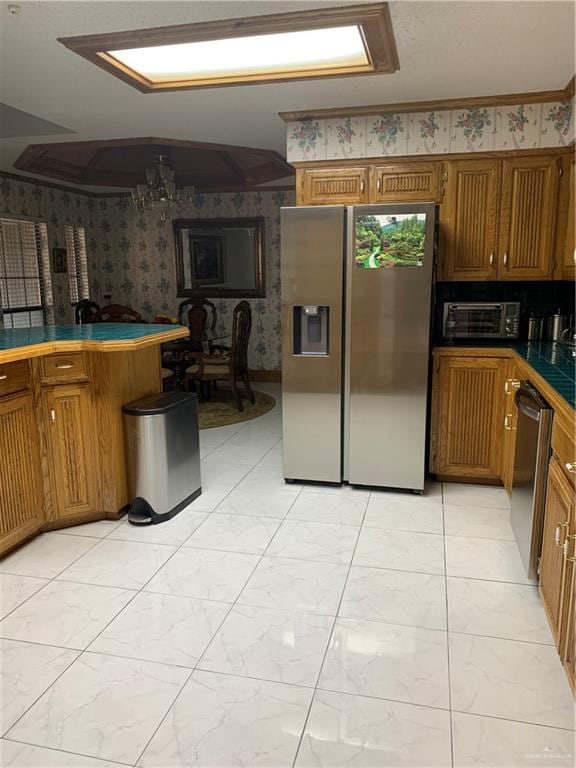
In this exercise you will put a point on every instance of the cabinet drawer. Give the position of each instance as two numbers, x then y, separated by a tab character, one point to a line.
14	377
70	366
565	449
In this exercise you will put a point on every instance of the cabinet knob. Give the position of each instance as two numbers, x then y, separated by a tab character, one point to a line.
64	366
52	415
491	259
571	467
558	535
3	376
507	422
379	184
361	185
505	259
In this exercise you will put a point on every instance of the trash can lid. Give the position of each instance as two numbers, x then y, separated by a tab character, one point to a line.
159	403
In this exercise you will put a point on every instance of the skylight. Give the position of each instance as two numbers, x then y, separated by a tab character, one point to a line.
326	42
276	54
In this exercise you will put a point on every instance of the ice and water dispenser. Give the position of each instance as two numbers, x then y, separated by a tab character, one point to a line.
310	326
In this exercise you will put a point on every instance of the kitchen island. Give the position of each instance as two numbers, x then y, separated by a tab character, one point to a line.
62	389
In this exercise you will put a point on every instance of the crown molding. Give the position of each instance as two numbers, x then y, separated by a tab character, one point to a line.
436	105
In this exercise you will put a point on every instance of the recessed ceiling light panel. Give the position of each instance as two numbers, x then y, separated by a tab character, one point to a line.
302	45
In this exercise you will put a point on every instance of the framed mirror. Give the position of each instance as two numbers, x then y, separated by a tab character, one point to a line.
220	257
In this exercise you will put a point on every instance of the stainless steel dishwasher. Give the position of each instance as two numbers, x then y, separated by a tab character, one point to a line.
530	474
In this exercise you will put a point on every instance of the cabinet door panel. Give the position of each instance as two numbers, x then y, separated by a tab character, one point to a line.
568	246
332	186
470	417
20	478
568	646
557	522
529	199
69	436
408	182
469	220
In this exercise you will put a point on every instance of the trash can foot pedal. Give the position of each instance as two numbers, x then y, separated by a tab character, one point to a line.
141	513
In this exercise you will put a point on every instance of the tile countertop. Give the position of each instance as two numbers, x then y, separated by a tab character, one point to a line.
554	362
22	343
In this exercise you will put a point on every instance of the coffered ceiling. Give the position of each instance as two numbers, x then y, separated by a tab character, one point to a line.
445	49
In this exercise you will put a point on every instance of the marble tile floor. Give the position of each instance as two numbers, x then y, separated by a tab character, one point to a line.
279	626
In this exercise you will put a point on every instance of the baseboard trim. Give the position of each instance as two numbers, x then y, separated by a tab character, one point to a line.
263	375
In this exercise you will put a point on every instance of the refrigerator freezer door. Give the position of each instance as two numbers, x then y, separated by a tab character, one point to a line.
387	357
312	283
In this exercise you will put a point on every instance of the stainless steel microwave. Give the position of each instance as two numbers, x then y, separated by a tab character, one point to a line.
481	320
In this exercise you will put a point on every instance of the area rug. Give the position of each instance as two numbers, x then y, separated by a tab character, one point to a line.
222	408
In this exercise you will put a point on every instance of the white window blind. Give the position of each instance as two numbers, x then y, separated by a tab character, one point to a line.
25	284
77	263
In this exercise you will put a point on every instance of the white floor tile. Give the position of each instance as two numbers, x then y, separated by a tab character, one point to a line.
103	707
484	559
208	500
400	550
204	573
485	741
509	679
269	644
47	555
388	661
405	512
126	564
223	721
266	477
234	533
478	522
396	597
475	495
14	590
163	628
65	614
99	529
298	585
27	670
345	730
342	509
258	503
339	490
241	455
314	541
16	755
172	532
499	609
222	476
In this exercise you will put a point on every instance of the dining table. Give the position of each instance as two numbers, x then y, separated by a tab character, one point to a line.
179	355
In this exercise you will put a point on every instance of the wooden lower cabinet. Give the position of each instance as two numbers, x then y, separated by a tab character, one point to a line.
510	423
20	475
69	435
468	417
568	650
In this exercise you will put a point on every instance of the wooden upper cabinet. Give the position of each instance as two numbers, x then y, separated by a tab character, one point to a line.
406	182
469	220
69	436
567	245
332	186
469	416
528	217
558	522
20	476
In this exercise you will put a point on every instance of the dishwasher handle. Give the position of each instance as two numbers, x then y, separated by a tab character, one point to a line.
527	404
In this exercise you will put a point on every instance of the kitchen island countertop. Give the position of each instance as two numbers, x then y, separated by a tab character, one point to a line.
23	343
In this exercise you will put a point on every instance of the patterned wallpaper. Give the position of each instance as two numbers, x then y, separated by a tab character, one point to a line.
482	129
131	254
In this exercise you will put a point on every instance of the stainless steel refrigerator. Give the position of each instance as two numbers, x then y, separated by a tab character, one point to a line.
356	301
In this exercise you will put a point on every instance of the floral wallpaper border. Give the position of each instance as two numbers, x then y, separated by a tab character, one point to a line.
480	129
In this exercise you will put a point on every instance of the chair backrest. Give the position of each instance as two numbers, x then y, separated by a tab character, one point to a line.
117	313
188	304
241	327
85	311
197	316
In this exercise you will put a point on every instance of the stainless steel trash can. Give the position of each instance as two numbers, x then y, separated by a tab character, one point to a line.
163	455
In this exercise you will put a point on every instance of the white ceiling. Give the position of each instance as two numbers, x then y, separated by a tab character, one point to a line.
446	50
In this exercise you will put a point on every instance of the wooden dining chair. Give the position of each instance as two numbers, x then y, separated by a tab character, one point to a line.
85	311
194	314
117	313
233	365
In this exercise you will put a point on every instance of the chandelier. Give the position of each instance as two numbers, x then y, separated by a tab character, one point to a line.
160	188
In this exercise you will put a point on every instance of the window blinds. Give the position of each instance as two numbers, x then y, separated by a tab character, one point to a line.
77	266
25	283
